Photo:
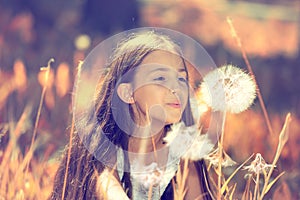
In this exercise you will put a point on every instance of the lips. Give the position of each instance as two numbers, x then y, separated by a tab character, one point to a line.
174	104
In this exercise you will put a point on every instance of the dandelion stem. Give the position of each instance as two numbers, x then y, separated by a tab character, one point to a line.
220	146
245	57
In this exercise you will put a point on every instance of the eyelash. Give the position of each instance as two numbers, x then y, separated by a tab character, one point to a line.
182	79
161	78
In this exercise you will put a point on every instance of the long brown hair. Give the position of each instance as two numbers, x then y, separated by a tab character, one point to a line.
98	135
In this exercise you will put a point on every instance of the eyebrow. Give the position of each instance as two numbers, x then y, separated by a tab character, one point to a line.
181	70
164	69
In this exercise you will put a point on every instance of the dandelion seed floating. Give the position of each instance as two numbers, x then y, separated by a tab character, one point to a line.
214	156
187	142
228	88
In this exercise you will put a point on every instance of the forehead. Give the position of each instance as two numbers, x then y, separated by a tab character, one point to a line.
162	59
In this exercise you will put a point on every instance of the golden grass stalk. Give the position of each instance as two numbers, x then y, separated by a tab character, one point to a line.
31	148
245	57
62	80
283	138
20	78
246	193
256	188
154	148
15	134
225	185
17	82
259	166
71	131
68	159
5	90
232	191
150	192
181	176
207	185
10	155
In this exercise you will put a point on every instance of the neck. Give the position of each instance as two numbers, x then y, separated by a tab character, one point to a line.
146	144
145	150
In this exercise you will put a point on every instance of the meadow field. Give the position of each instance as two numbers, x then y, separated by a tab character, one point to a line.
36	106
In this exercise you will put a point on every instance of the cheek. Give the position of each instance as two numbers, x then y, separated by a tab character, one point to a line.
149	95
184	96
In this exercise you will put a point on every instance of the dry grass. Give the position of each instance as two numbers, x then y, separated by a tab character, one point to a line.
36	183
17	182
27	170
28	175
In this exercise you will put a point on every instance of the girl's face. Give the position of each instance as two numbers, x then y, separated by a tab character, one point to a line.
160	87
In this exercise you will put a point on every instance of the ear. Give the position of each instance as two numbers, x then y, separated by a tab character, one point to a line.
125	93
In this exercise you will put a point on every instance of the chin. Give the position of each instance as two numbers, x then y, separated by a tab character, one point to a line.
173	120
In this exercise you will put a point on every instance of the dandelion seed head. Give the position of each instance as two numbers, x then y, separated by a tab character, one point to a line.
228	88
258	165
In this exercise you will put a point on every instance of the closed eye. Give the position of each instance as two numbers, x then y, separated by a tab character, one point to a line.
182	79
160	78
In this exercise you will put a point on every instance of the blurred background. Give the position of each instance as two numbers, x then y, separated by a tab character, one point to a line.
33	31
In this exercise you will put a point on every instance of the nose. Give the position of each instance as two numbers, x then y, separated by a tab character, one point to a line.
174	83
174	87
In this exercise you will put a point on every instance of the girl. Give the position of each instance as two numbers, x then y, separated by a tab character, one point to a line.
118	150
